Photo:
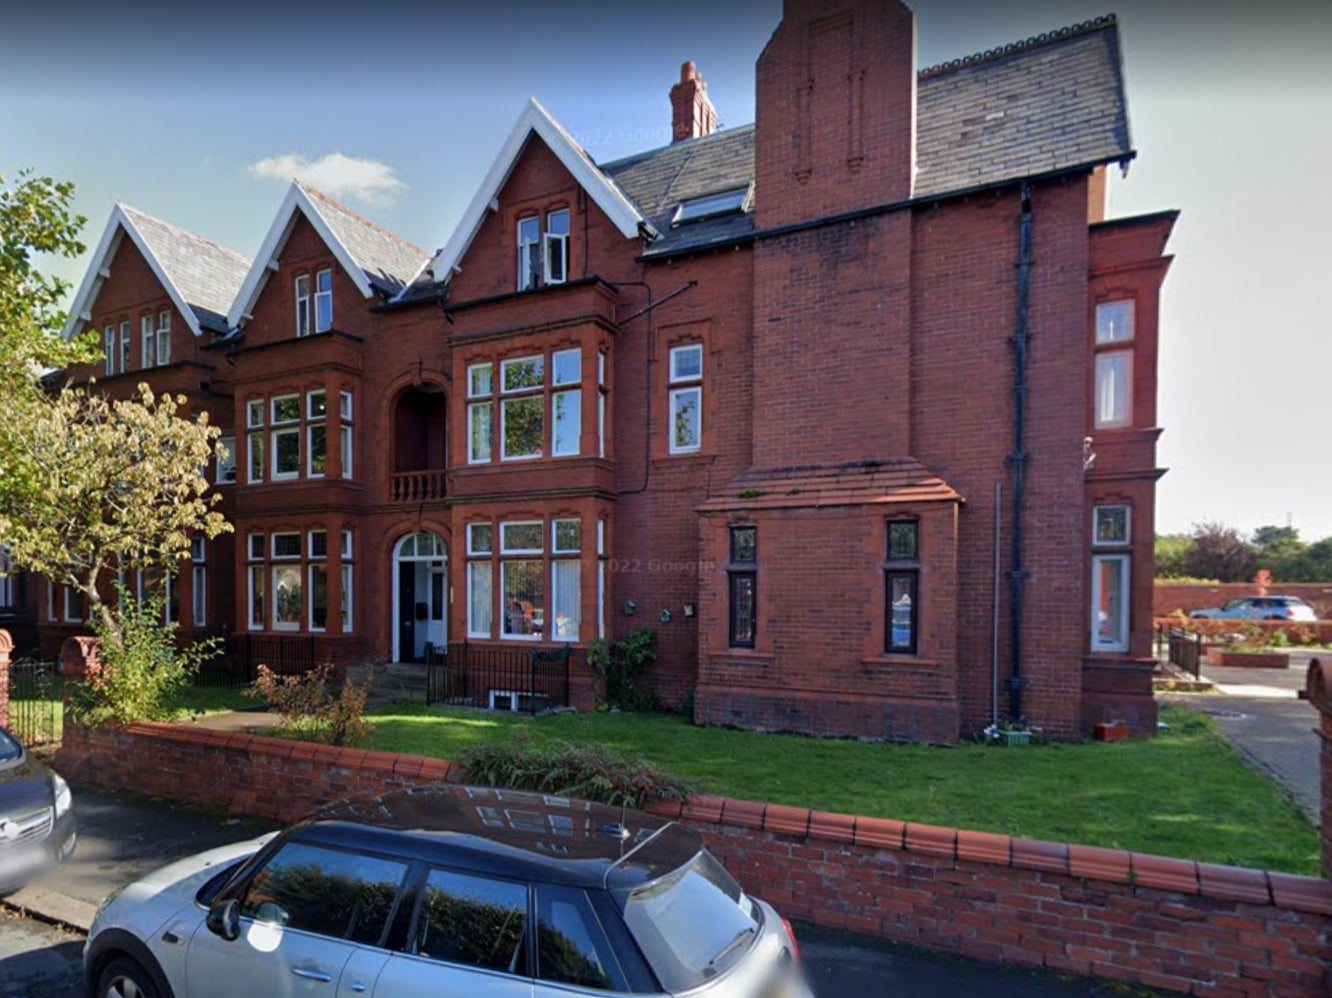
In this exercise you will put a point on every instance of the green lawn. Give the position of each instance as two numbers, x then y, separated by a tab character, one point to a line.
196	700
1184	793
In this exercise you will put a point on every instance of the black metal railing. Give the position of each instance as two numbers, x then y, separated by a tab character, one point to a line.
237	662
36	702
516	679
1184	651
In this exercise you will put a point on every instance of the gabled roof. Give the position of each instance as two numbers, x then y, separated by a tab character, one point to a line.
373	257
199	276
535	120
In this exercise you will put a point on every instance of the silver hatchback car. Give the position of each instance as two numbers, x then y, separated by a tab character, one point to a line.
448	892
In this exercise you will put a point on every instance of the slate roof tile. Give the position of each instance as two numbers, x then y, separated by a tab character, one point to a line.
390	262
1046	104
207	275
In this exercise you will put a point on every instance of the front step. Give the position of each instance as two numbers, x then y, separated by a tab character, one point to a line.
393	681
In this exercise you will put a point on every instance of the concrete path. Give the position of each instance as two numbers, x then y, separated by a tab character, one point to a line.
1260	715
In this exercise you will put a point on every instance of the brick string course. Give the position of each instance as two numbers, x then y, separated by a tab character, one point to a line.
1194	928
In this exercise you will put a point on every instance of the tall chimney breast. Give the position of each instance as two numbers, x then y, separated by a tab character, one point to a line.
692	114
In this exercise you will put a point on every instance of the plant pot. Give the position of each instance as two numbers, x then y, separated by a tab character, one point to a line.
1110	731
1248	659
1012	738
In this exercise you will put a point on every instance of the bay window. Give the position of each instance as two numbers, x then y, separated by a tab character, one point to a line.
316	434
287	589
1110	578
258	574
522	420
1112	396
1110	602
566	575
516	560
566	405
317	572
480	579
480	415
286	436
345	432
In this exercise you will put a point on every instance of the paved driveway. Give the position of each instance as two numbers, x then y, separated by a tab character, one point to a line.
1259	713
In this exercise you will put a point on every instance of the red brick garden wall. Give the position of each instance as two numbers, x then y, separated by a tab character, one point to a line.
1168	598
1166	923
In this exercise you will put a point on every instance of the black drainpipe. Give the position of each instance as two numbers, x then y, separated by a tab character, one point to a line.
1017	461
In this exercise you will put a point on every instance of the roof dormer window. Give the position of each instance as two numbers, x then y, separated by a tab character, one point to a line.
711	206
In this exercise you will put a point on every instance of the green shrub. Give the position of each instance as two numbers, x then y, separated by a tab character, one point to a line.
141	675
589	772
625	666
309	706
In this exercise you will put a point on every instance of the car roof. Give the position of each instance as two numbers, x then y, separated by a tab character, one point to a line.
508	833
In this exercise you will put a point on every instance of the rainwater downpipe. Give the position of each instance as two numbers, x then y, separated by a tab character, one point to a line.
1017	461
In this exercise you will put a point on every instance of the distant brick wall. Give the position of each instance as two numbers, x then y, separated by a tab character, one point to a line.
1190	927
1167	597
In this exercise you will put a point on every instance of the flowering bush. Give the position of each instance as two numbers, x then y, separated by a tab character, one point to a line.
309	707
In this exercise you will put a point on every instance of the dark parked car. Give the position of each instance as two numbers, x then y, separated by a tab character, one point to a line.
1260	608
36	816
447	892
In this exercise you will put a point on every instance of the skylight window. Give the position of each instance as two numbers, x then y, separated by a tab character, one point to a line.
711	206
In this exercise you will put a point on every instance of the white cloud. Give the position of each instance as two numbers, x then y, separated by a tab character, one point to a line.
337	175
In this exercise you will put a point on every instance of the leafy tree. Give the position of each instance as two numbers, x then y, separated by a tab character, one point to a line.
1170	553
88	485
1270	537
35	218
1219	552
1312	564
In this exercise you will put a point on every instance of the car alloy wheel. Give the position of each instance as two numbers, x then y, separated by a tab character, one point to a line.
123	978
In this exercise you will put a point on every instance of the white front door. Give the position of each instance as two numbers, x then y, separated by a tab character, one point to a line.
420	595
437	627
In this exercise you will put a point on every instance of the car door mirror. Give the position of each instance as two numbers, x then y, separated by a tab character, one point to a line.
223	919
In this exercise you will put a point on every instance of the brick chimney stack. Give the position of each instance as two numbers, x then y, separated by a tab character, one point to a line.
692	114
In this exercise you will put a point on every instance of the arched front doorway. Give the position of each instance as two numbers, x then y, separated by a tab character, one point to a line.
420	595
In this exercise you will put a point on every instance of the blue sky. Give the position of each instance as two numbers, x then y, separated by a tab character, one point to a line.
194	115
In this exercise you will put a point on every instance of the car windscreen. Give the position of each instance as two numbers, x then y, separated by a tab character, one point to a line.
692	924
9	748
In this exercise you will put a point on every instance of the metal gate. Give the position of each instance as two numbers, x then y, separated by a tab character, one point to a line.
36	703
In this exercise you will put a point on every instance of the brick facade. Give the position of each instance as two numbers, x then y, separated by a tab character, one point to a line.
843	326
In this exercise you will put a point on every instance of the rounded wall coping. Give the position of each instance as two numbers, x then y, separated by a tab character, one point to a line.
1111	866
6	643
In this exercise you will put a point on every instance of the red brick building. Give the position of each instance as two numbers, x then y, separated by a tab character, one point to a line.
855	406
